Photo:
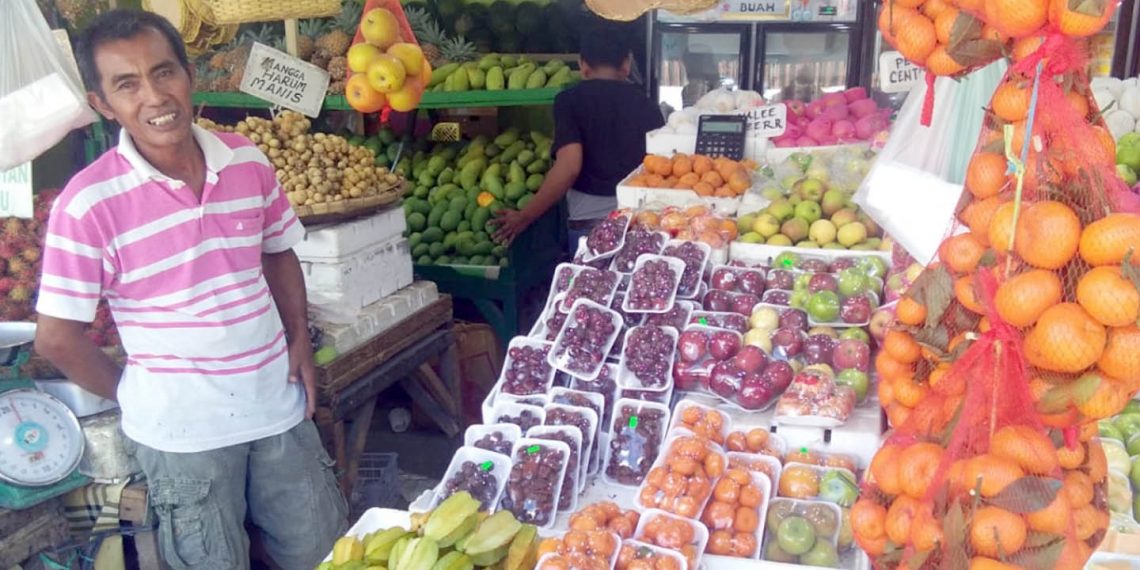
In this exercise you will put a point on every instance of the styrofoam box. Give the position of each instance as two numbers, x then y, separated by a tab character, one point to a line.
377	317
333	242
637	197
81	402
362	278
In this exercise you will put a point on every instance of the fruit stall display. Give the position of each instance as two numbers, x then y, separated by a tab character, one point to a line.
1119	100
846	117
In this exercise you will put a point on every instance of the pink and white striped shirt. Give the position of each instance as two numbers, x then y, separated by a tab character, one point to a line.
207	359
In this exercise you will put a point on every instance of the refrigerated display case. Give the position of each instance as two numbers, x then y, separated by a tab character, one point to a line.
783	49
1113	51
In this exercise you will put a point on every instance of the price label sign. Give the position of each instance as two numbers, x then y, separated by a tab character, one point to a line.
16	192
284	80
896	74
768	121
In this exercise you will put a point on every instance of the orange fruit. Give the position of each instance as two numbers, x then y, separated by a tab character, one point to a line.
1016	18
1031	449
1000	231
961	253
868	519
901	346
910	32
1023	47
1011	101
995	531
1109	296
1054	518
900	517
897	414
910	312
983	563
986	174
966	294
799	482
1121	357
978	214
1065	339
944	24
909	393
1048	234
925	531
885	469
1110	396
1075	22
1071	457
702	164
1079	488
1107	240
1097	466
886	392
682	165
918	464
995	474
940	63
1023	298
890	369
1087	520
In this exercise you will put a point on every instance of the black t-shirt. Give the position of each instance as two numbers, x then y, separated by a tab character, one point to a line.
609	118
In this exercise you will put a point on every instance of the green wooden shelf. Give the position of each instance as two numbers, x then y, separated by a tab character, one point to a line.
431	99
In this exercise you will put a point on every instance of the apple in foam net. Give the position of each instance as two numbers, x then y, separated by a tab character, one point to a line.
852	353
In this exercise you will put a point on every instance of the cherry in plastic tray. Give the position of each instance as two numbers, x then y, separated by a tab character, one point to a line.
581	347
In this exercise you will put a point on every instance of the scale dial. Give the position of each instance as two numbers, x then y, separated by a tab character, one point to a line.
41	442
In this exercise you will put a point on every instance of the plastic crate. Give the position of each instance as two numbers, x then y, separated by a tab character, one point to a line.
377	484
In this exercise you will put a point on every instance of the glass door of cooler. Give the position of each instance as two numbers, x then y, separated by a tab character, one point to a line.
691	60
1112	51
805	61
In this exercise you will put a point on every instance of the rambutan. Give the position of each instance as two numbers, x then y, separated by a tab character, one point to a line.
16	264
6	285
31	254
14	229
20	293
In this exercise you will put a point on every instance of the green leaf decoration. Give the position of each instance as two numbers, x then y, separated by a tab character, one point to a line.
1131	270
934	289
916	560
1026	495
1040	557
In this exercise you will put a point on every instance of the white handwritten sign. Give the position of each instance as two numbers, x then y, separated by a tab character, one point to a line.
768	121
755	9
285	80
896	74
16	192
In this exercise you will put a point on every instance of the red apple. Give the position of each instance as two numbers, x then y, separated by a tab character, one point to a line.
693	345
750	359
723	345
852	353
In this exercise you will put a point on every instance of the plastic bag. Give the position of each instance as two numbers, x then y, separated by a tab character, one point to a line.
915	184
41	99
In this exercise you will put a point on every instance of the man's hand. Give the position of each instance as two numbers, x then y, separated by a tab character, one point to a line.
511	223
301	368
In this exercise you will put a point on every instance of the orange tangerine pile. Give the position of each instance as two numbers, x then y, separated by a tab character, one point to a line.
684	480
580	550
673	533
733	515
634	557
605	516
704	422
693	223
755	440
718	177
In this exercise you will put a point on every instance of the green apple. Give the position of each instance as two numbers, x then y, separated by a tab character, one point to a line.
822	232
744	223
772	193
1128	154
1107	430
780	240
796	229
822	554
795	535
818	171
782	208
807	244
856	379
1133	445
853	281
799	299
773	553
789	182
1126	174
875	266
1128	424
808	211
1132	407
1134	472
810	189
802	159
832	202
823	330
852	234
766	224
823	306
751	237
855	333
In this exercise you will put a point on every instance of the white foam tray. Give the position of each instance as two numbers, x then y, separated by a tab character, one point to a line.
374	319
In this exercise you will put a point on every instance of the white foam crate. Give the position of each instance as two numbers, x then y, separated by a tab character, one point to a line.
361	279
377	317
333	242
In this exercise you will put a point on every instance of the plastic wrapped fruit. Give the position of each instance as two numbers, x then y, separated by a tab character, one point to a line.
648	358
478	476
728	302
695	255
814	399
802	532
637	243
677	317
585	420
586	339
496	437
535	482
606	238
606	515
674	533
766	464
571	478
701	420
738	280
592	401
756	440
681	480
635	440
526	370
523	415
721	320
809	456
736	512
593	284
635	555
653	286
580	550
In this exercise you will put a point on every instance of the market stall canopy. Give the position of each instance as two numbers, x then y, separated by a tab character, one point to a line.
628	10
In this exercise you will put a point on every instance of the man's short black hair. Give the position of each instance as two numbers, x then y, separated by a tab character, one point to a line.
122	24
604	45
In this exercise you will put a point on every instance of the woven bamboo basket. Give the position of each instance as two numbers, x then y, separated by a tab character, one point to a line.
244	11
328	212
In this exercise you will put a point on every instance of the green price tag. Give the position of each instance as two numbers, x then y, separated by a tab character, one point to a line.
633	422
533	449
487	466
787	262
703	321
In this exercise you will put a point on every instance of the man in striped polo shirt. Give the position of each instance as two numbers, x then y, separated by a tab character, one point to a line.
189	238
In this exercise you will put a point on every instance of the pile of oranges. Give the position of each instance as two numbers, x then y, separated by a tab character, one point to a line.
755	440
580	550
702	421
683	480
733	514
693	223
634	556
673	533
605	516
718	177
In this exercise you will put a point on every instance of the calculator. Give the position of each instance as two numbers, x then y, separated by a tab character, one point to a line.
722	135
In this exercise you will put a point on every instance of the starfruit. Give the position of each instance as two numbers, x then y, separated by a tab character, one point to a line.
347	549
450	515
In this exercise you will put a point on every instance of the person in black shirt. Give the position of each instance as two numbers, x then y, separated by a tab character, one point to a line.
599	138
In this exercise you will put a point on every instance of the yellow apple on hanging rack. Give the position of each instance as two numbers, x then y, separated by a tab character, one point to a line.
361	55
386	74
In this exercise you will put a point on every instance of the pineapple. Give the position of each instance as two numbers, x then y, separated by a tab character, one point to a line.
338	69
457	50
428	32
337	40
307	33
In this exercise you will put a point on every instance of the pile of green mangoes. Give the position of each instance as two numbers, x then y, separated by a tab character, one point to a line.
385	145
494	72
458	189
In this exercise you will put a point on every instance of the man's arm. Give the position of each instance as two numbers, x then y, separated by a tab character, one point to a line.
558	181
66	345
287	285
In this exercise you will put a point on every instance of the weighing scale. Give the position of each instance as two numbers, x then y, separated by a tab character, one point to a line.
722	135
41	443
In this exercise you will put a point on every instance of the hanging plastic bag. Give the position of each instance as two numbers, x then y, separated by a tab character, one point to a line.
914	187
41	99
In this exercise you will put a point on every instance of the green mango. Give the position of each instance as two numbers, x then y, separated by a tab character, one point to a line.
445	176
424	260
534	182
537	167
432	234
516	173
507	138
536	79
477	78
507	60
441	73
488	61
464	226
496	81
436	249
524	200
461	81
526	157
512	151
519	77
515	190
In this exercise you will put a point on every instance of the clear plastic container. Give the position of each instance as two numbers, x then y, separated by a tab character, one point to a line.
721	320
757	462
872	304
638	243
525	379
779	297
690	460
662	300
636	434
659	396
783	316
560	284
534	499
650	553
695	269
701	337
522	415
783	279
586	361
582	251
617	224
648	530
822	520
548	324
499	438
756	439
725	519
572	481
628	321
586	421
815	400
660	378
607	283
677	317
604	384
832	484
812	455
737	280
593	401
701	420
479	472
581	559
729	302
